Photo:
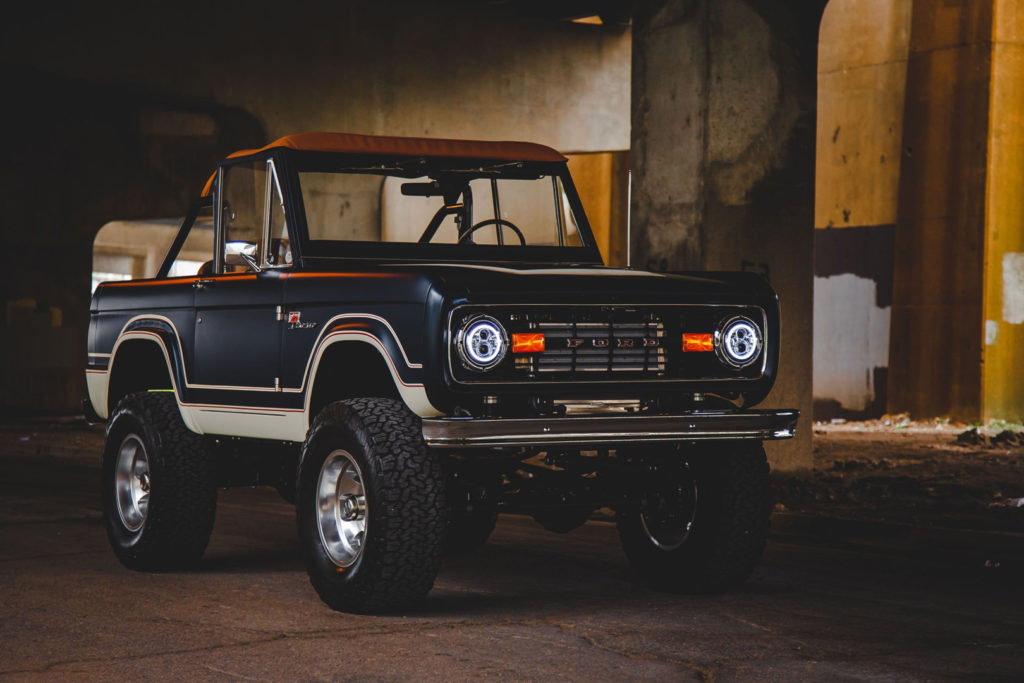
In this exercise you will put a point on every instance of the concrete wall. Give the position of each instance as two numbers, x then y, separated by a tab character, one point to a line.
723	159
122	111
400	68
862	68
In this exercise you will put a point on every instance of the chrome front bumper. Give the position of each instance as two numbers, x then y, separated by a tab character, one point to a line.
456	432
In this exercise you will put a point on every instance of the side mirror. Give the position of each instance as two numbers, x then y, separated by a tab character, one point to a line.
241	254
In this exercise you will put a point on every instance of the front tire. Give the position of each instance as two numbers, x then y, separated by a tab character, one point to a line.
159	492
371	506
703	524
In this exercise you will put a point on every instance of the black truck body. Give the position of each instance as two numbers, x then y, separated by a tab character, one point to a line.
499	350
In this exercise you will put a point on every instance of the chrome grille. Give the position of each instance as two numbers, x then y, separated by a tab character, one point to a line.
573	348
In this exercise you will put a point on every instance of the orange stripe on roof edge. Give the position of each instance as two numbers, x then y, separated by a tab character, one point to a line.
186	279
352	143
385	276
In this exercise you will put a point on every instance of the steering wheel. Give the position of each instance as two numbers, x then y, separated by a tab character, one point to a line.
494	221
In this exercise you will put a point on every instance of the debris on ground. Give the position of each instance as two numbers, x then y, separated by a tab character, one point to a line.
1008	503
1004	439
1008	439
917	471
903	422
972	437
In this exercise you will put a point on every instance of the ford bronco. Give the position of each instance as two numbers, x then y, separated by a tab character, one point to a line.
407	337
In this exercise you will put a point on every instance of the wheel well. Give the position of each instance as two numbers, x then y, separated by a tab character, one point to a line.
350	369
139	366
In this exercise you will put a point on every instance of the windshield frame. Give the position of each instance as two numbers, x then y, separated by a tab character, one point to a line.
289	162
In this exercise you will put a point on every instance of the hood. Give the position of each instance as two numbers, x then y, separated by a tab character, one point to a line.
588	284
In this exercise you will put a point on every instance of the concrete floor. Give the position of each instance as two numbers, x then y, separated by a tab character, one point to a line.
530	605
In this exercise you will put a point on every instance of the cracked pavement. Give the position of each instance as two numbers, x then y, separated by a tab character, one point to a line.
530	605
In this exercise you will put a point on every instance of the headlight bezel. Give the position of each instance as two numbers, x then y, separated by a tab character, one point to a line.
724	334
471	358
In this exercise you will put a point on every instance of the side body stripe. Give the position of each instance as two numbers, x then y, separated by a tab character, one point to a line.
261	421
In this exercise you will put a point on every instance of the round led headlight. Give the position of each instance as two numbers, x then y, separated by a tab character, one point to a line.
481	343
738	342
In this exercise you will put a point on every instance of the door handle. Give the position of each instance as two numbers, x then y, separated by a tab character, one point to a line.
203	284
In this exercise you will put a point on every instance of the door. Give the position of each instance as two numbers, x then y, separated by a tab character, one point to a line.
238	320
237	333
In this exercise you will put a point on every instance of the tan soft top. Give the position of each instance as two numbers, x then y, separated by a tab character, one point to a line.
351	143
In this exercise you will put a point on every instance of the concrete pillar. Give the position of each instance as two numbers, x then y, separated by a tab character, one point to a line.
723	159
1003	374
958	286
862	71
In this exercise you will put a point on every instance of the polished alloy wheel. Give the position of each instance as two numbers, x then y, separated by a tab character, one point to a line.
669	515
131	483
341	508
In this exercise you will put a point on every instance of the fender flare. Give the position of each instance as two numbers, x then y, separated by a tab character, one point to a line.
412	393
160	334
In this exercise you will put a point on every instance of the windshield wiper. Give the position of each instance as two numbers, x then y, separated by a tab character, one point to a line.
401	167
493	168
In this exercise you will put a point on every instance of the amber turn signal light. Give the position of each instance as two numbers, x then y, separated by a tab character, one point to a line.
698	342
527	342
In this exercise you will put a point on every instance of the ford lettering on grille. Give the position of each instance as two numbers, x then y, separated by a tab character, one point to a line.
573	348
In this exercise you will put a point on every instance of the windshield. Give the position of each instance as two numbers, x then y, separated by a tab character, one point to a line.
502	205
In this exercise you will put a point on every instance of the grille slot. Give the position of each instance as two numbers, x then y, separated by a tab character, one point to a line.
593	348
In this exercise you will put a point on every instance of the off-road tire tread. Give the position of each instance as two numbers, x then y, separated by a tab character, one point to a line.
183	502
730	529
402	554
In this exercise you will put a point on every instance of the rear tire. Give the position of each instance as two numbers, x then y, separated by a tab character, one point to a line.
705	528
371	506
159	491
